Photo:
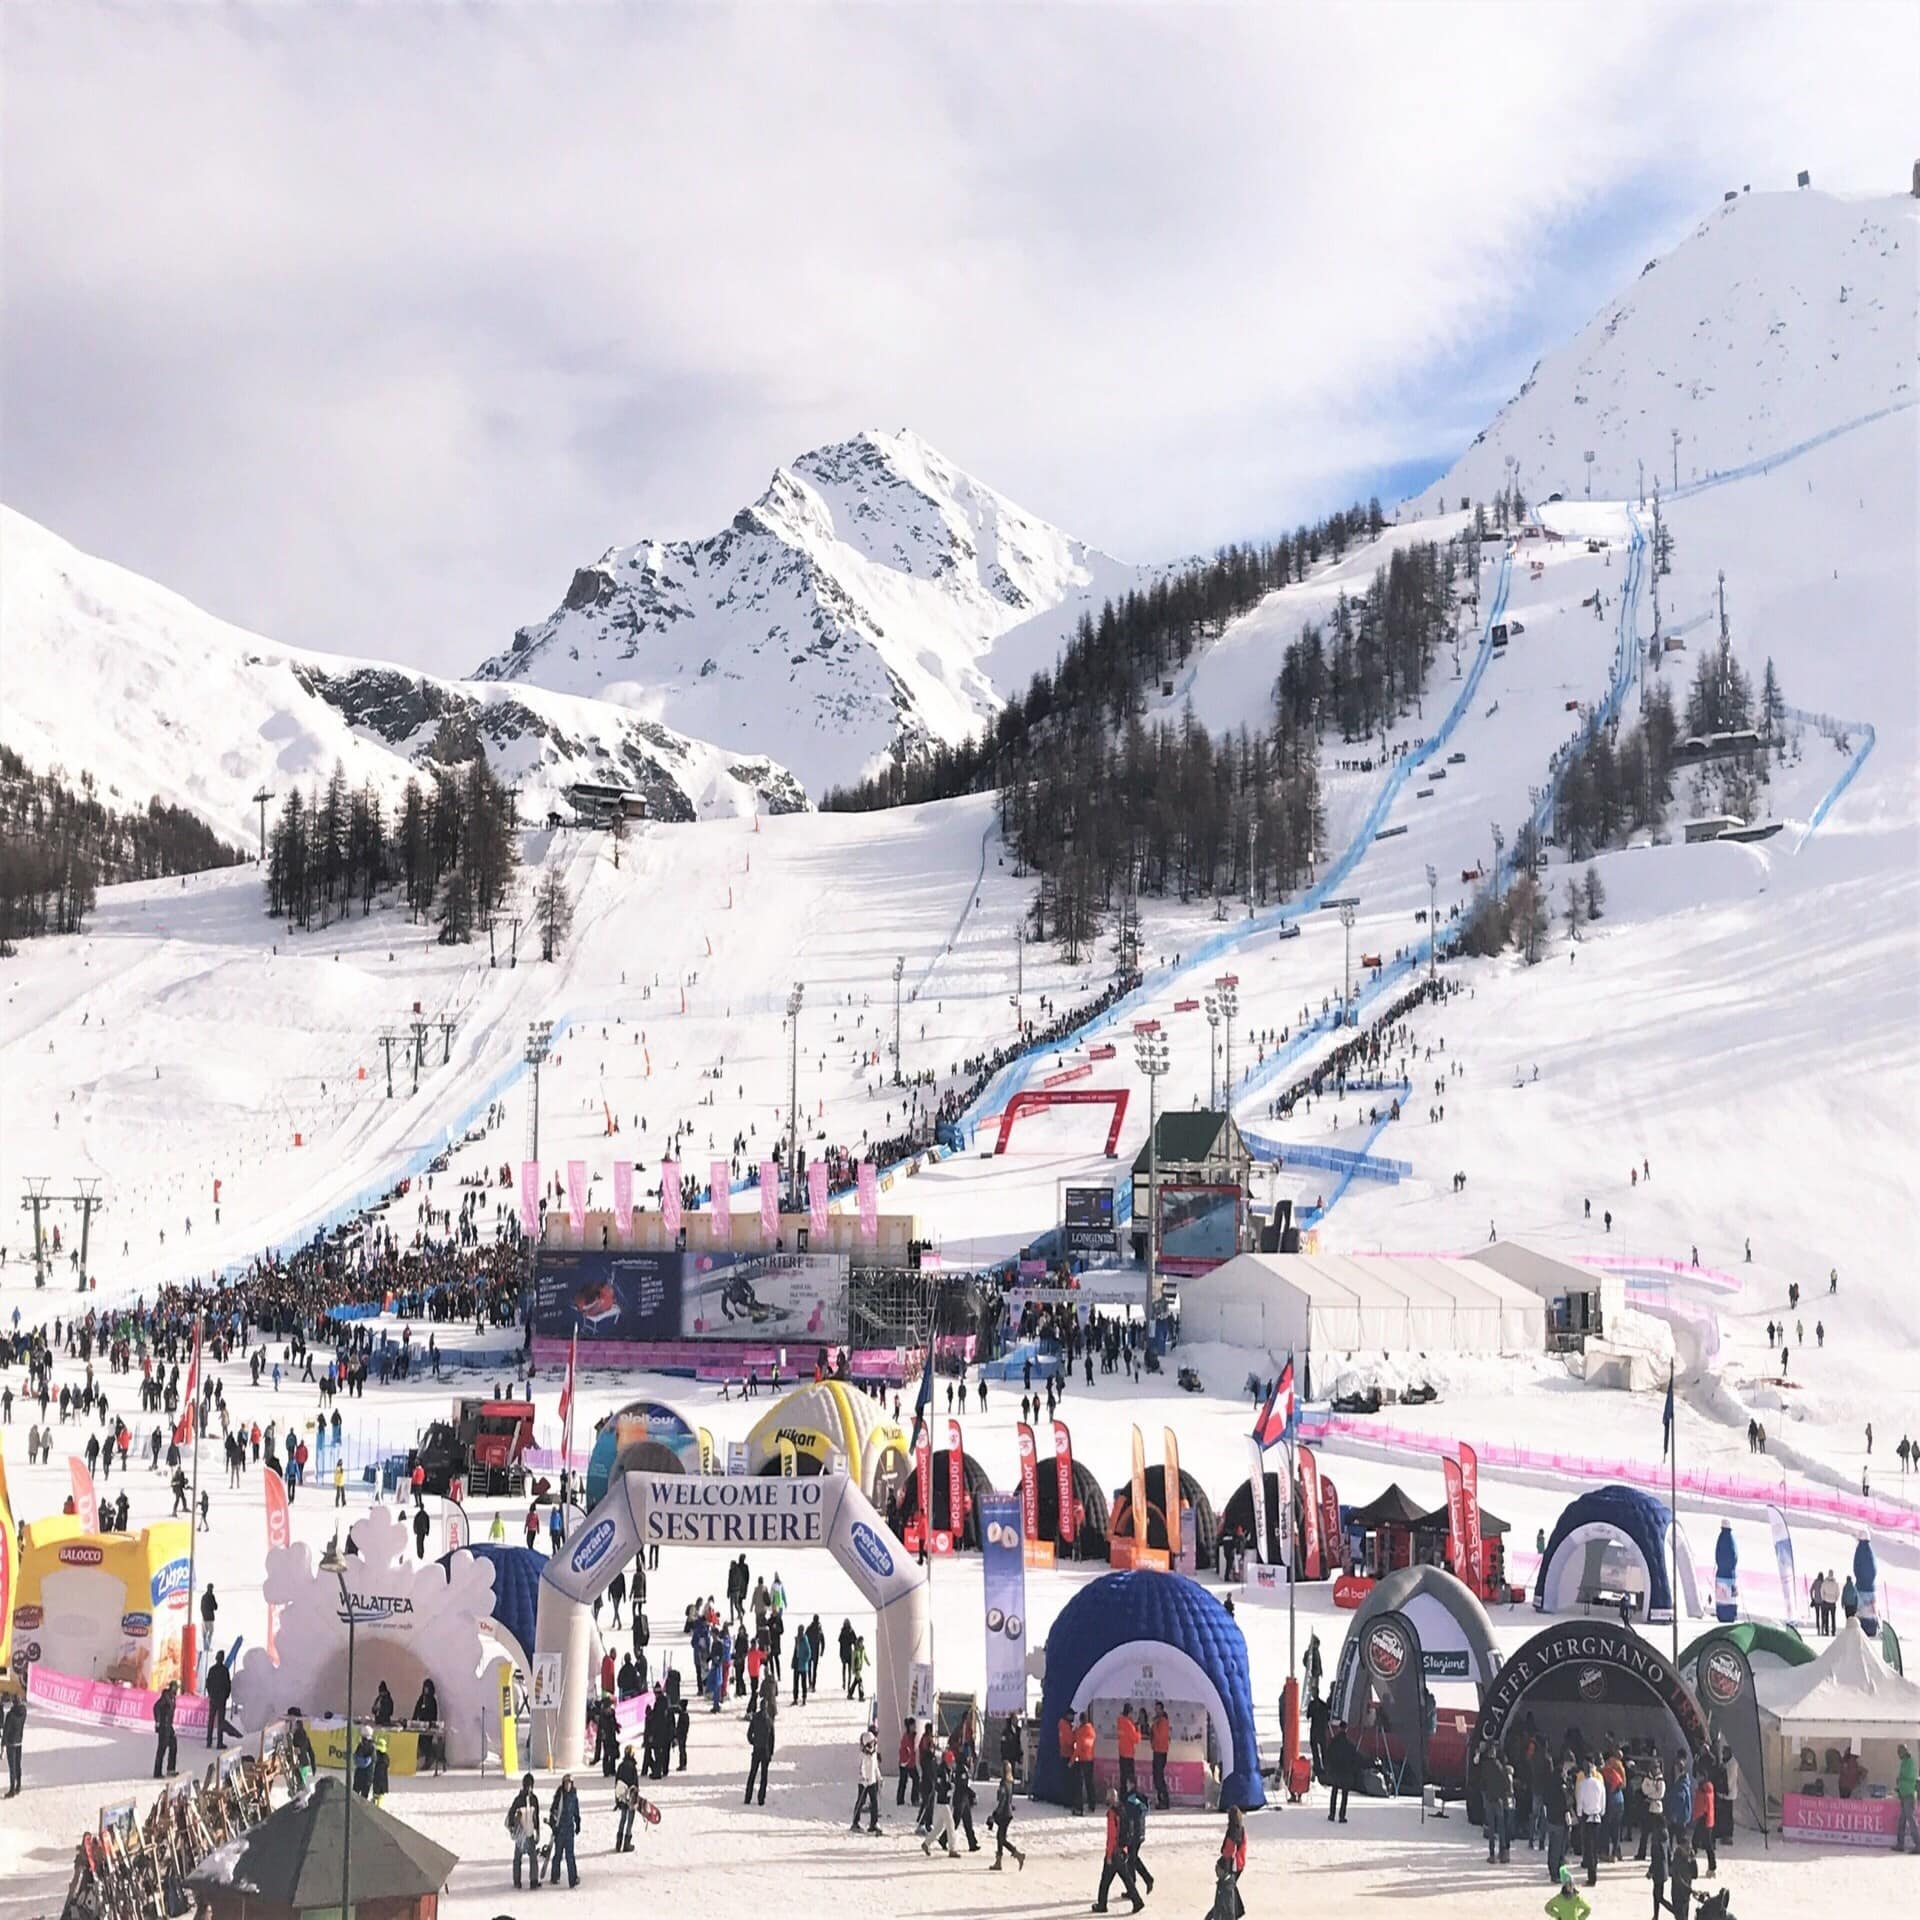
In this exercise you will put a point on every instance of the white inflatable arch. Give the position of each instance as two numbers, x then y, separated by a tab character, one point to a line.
735	1512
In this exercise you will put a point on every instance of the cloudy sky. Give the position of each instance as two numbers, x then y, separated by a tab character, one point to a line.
363	326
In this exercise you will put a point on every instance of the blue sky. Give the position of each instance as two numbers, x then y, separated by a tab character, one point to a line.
364	327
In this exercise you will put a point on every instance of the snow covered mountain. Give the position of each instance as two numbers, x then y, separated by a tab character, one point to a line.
875	598
1782	316
106	674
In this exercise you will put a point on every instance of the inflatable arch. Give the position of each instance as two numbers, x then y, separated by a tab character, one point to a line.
1159	1636
974	1481
1456	1636
1766	1646
824	1417
516	1593
1090	1497
1615	1540
1114	1097
1206	1531
735	1511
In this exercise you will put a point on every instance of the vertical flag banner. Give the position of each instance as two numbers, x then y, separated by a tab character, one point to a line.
279	1534
670	1195
1029	1484
1332	1546
1783	1559
7	1575
190	1400
623	1197
1170	1475
455	1532
769	1202
530	1198
1309	1514
1138	1490
789	1459
1470	1500
1257	1487
923	1481
1004	1589
708	1452
86	1502
577	1195
1063	1480
817	1196
720	1188
567	1393
956	1483
1456	1517
869	1201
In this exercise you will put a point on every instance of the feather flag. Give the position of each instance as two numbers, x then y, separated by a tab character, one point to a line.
720	1192
769	1201
530	1198
577	1195
817	1196
869	1187
670	1195
623	1197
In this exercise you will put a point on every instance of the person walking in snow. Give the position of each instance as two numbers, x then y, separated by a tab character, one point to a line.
868	1794
1001	1822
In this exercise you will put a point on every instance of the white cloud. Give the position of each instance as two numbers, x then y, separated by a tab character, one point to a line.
365	326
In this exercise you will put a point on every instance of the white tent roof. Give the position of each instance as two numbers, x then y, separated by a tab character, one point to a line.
1850	1686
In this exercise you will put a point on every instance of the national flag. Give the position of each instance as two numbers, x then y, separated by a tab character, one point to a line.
924	1400
1277	1416
1666	1419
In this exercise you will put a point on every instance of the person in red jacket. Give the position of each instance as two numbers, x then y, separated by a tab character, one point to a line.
909	1770
1083	1763
1162	1744
1070	1774
1703	1812
1233	1859
1116	1861
1126	1736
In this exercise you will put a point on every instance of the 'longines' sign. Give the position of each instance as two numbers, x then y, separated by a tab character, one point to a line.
728	1511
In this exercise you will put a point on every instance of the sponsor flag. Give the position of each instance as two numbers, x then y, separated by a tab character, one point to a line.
1309	1513
623	1197
817	1196
1170	1481
1004	1590
1783	1559
923	1481
769	1202
1029	1484
720	1192
279	1534
566	1402
1285	1518
1276	1417
530	1198
789	1459
708	1453
1456	1517
670	1195
1666	1417
1470	1501
1138	1490
956	1482
1257	1487
454	1529
869	1190
190	1400
1330	1541
86	1502
1063	1481
577	1195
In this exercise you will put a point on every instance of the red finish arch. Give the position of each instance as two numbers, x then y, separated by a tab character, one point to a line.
1115	1097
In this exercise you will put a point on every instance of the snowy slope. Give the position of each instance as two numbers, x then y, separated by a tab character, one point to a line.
875	597
105	673
1783	315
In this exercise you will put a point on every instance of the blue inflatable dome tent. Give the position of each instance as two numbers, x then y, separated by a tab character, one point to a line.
1611	1541
1140	1637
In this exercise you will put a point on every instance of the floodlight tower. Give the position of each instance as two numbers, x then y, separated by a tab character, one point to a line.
1227	991
1153	1056
1346	976
795	1000
1433	920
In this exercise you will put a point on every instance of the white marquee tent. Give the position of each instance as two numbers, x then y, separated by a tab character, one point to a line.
1340	1303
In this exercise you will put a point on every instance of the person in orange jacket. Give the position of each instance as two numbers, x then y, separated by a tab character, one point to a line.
1117	1861
1162	1744
1083	1763
1069	1771
1127	1737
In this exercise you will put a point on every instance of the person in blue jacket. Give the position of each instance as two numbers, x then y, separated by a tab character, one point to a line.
1680	1802
563	1817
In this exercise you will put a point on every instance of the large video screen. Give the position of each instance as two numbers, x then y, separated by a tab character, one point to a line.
607	1296
1199	1227
610	1298
1089	1207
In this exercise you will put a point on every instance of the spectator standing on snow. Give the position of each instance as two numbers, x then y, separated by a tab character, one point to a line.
523	1823
1001	1821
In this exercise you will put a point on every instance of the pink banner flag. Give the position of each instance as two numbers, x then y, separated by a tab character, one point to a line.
817	1195
769	1201
530	1198
1471	1541
623	1197
577	1194
279	1534
869	1201
86	1503
1456	1517
720	1183
670	1195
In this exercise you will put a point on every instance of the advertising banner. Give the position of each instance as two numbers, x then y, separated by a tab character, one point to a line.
1004	1584
1456	1518
923	1477
817	1196
1257	1488
86	1502
1333	1548
1470	1501
707	1452
623	1197
764	1296
956	1482
1834	1822
278	1534
1029	1484
720	1201
1723	1685
869	1189
670	1195
1170	1455
1309	1514
1783	1561
1137	1491
102	1703
769	1202
530	1198
577	1195
1063	1479
607	1297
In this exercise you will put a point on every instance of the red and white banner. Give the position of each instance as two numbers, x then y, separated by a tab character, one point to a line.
1332	1546
190	1400
720	1198
769	1201
1456	1516
869	1184
956	1482
86	1502
105	1703
670	1195
1063	1480
279	1534
817	1195
1309	1513
530	1198
623	1197
577	1194
1029	1484
923	1478
1470	1501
